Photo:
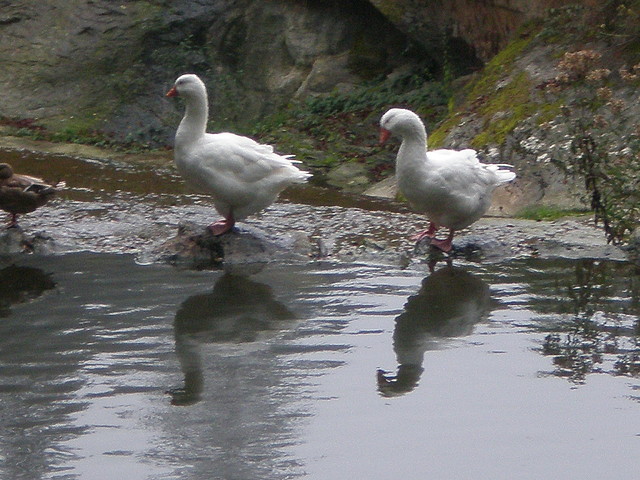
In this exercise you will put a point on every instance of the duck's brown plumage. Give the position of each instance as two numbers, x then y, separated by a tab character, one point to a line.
21	193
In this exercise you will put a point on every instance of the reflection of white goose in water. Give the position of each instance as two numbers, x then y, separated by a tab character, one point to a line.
236	311
450	302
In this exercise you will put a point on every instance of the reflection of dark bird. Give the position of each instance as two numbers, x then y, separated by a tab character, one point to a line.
236	311
21	284
21	193
450	302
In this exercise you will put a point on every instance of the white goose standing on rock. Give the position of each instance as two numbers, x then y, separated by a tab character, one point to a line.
242	175
451	187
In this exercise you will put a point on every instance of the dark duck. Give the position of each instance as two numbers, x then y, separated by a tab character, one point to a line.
21	194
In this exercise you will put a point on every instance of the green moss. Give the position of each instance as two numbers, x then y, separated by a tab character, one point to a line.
437	137
547	212
496	133
90	118
516	93
513	99
390	9
548	111
498	67
512	104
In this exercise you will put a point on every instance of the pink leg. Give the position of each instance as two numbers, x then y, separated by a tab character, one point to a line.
444	245
14	220
222	226
429	233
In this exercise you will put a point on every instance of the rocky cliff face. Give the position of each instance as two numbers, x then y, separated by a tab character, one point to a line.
481	26
561	97
80	65
98	64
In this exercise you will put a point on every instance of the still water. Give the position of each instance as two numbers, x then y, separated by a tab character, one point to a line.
110	368
316	370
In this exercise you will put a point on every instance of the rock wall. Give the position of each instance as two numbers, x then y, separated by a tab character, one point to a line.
69	63
79	65
557	83
485	26
96	64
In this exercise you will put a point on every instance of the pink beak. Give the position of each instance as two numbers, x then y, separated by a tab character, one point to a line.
384	135
172	93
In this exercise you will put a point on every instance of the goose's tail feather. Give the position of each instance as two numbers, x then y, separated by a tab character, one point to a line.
503	171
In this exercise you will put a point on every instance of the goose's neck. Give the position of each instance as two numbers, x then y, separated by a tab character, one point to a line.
414	144
194	122
416	134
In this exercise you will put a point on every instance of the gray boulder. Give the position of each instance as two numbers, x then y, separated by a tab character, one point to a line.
238	251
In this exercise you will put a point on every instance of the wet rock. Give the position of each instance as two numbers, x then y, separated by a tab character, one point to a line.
470	247
387	188
15	240
350	177
243	250
633	248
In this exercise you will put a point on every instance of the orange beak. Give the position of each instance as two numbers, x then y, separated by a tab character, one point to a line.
384	135
172	93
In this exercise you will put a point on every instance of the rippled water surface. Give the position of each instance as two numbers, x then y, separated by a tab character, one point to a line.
312	370
109	369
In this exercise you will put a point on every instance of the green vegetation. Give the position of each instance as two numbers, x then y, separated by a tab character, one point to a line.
343	126
72	133
547	212
511	102
437	137
498	67
604	140
504	110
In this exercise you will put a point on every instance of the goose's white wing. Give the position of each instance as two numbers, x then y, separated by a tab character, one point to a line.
242	158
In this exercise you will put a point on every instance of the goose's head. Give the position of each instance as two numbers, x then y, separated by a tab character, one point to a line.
401	122
187	85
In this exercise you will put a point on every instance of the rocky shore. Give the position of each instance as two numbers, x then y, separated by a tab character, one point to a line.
294	233
166	227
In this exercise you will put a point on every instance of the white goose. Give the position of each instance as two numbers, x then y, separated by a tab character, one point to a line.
451	187
242	175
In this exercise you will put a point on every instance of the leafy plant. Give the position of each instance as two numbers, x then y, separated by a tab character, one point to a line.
604	141
29	128
340	127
